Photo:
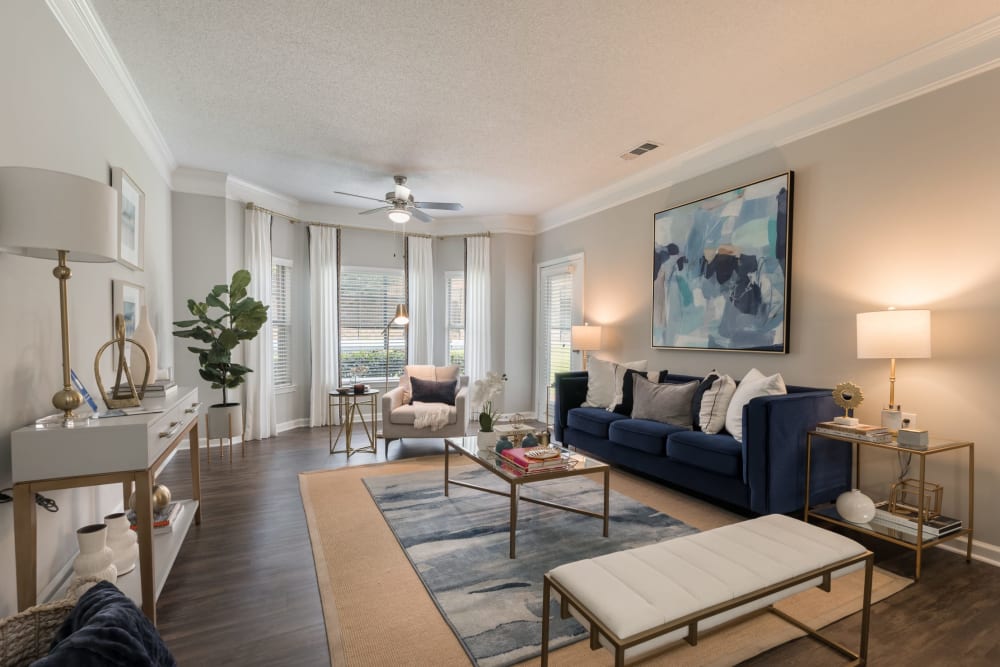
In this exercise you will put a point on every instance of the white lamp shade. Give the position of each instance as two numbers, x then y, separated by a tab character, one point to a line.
894	334
43	212
585	337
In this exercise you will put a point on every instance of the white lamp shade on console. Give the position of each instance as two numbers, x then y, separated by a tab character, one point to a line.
894	334
43	212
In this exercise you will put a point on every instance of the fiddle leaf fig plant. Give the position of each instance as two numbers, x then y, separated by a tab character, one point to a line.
225	318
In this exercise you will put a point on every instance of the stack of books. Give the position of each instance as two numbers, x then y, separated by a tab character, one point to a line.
859	432
524	463
157	389
906	521
163	520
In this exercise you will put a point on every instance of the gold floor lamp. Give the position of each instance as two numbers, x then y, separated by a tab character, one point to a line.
401	318
52	215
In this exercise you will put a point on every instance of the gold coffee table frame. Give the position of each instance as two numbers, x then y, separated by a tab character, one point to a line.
348	405
491	461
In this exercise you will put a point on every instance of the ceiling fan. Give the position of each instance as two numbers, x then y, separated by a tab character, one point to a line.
400	205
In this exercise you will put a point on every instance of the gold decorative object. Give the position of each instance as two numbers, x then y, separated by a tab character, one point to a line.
161	498
120	398
848	396
904	498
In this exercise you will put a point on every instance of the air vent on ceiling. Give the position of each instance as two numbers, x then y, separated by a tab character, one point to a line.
641	149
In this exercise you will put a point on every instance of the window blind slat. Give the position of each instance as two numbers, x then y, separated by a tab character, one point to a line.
368	299
279	315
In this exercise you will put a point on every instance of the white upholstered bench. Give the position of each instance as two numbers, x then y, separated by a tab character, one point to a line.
636	602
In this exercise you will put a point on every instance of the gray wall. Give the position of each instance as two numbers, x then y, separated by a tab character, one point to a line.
897	208
56	116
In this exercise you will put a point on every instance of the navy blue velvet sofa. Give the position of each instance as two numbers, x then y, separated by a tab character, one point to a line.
763	474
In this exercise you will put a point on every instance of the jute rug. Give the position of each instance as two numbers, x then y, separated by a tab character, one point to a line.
377	611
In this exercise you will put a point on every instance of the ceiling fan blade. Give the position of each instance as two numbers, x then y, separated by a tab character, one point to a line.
420	215
444	206
375	210
349	194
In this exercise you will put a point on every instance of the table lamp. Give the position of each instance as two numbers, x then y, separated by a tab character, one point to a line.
585	338
52	215
894	334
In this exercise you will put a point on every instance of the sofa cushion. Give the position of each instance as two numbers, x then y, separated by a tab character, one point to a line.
715	453
714	405
594	421
668	402
429	391
644	435
604	380
753	384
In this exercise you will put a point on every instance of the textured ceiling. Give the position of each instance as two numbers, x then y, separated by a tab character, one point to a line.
509	107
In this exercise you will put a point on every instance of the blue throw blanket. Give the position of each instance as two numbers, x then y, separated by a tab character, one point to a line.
106	628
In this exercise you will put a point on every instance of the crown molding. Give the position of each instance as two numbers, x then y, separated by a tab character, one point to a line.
943	63
199	181
87	33
239	190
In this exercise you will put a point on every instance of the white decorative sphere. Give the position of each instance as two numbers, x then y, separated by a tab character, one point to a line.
855	506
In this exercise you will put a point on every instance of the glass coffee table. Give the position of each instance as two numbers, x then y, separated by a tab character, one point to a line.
516	478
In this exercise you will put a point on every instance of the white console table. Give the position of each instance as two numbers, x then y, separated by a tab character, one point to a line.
127	450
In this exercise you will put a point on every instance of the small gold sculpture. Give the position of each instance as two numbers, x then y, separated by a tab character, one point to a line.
848	396
120	398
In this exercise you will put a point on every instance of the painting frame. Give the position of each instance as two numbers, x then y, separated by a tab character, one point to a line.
127	299
131	219
722	270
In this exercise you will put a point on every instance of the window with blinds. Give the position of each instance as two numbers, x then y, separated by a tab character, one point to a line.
368	299
455	317
557	320
281	322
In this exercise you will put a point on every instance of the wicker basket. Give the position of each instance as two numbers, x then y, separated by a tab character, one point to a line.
27	636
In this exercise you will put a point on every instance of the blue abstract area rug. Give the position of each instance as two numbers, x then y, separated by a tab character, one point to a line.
459	545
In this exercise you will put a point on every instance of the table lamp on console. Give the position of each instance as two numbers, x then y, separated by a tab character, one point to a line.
585	338
61	217
894	334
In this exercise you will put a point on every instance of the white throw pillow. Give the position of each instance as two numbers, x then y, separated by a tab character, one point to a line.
715	404
601	389
753	384
618	381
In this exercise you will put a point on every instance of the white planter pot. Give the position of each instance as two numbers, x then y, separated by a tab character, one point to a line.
224	420
855	506
487	439
122	541
96	558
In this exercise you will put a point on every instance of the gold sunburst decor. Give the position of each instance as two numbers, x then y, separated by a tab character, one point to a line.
848	396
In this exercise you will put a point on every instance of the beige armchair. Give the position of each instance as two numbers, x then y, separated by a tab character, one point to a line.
398	415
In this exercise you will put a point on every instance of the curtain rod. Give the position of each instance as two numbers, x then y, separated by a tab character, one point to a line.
295	221
465	236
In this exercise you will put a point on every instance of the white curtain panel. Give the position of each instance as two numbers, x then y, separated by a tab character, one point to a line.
478	345
323	295
261	420
421	297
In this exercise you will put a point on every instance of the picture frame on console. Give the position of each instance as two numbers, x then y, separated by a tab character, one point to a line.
131	219
126	300
721	270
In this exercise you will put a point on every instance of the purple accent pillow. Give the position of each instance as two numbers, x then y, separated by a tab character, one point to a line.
429	391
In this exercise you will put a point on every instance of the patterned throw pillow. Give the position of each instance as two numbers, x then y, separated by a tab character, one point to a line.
714	404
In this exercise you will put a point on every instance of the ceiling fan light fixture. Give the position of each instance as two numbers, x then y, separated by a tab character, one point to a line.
399	215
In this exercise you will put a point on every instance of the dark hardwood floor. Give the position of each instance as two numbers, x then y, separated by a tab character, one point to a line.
243	590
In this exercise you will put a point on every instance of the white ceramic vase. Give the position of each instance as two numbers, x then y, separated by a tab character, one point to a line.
855	506
486	440
143	335
96	558
123	542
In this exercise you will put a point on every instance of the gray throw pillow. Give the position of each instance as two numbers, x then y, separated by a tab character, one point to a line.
429	391
666	402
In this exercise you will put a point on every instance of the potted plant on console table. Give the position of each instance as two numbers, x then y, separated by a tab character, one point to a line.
240	319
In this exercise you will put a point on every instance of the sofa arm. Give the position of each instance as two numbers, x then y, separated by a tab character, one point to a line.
462	404
774	452
570	392
391	400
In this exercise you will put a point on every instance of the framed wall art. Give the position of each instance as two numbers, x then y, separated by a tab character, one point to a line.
721	270
131	219
126	299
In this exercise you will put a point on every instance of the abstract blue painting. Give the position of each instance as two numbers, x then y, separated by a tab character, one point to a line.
720	270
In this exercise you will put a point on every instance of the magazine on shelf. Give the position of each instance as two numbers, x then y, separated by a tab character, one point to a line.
907	519
163	520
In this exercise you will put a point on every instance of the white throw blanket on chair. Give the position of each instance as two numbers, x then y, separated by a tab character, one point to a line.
432	415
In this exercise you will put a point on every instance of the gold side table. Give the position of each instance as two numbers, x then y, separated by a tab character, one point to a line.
348	406
915	541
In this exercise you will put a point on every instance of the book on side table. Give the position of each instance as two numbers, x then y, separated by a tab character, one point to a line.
163	520
902	519
519	457
866	432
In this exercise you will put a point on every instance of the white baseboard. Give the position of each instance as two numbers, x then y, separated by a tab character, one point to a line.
295	423
981	551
